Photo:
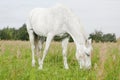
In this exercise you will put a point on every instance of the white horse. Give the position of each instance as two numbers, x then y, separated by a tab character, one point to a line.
53	21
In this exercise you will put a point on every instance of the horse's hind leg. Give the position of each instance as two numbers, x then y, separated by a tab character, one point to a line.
48	41
64	52
39	48
32	41
38	41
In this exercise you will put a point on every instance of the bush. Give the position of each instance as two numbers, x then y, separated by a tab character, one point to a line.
98	36
14	34
109	37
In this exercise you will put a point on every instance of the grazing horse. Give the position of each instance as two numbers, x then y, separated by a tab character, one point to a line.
57	21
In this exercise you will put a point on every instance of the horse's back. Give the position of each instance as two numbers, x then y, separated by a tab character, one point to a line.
56	12
44	20
57	19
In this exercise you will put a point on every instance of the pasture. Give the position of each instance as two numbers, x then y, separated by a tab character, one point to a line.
15	62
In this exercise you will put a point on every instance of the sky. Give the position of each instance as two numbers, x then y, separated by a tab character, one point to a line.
101	15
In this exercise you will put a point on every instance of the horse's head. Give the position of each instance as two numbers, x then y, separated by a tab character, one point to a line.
83	55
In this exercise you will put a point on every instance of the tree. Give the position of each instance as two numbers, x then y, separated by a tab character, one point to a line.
109	38
22	33
13	34
98	36
7	33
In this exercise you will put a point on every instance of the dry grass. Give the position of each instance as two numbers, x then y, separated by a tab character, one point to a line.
15	62
102	59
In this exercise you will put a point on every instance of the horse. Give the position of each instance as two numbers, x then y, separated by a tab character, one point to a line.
57	21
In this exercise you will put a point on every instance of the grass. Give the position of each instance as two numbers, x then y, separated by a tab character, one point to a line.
15	63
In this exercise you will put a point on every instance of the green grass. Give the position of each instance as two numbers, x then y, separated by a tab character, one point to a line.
15	63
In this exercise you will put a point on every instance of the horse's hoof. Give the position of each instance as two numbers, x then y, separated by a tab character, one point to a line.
40	67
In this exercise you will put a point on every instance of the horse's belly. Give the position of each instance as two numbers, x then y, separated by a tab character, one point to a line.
40	31
43	31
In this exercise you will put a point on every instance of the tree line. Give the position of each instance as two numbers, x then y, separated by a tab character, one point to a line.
21	34
14	34
98	36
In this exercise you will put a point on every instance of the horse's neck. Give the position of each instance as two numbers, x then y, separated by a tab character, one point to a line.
76	30
78	36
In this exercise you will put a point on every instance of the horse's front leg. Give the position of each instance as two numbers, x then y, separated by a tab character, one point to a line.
48	41
64	52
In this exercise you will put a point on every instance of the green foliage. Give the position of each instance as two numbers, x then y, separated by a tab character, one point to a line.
7	33
112	65
109	37
98	36
22	33
14	34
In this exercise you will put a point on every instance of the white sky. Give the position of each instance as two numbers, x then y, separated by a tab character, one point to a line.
101	15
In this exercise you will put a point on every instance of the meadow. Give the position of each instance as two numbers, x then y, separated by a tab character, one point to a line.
15	62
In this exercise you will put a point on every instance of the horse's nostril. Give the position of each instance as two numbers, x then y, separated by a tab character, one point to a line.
87	54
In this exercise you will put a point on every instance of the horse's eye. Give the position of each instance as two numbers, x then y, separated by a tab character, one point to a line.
87	54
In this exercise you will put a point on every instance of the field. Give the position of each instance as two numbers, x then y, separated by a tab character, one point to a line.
15	62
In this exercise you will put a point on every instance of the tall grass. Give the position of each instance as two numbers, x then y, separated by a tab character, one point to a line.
15	63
